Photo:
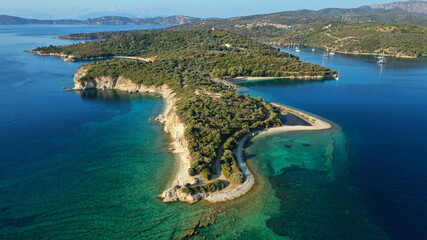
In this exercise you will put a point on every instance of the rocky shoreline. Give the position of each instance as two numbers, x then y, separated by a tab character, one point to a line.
67	58
71	58
172	125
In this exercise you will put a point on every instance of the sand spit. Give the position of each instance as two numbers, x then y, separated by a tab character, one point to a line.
228	194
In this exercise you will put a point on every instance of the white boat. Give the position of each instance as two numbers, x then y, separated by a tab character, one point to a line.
297	49
332	53
381	59
325	54
313	50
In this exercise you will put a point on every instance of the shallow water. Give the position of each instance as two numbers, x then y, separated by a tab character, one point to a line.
89	165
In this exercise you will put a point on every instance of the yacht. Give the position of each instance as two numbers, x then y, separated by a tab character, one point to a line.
381	59
325	54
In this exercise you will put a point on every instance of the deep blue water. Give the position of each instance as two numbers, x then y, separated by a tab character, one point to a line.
383	112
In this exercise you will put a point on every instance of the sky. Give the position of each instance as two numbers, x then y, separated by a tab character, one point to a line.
55	9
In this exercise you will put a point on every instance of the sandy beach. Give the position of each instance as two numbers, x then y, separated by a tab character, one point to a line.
228	194
136	58
242	79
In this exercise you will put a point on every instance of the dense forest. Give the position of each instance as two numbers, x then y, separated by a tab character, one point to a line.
215	53
394	39
186	61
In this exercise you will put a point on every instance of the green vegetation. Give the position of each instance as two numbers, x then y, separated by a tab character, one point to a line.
394	39
212	186
186	61
339	35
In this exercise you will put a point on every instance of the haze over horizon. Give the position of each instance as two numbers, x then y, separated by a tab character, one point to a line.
80	9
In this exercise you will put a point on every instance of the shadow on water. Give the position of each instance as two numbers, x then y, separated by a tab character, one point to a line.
112	95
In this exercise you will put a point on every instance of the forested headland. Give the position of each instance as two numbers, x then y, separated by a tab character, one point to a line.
187	61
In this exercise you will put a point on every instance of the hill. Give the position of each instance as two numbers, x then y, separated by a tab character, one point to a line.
398	40
107	20
358	27
359	30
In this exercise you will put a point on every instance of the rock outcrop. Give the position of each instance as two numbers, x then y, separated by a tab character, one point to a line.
409	6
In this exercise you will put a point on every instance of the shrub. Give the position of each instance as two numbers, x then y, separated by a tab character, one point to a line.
236	177
206	174
186	190
192	171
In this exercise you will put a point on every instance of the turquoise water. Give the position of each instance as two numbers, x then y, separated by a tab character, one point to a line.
89	165
309	175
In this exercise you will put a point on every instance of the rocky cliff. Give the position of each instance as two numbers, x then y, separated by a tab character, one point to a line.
410	6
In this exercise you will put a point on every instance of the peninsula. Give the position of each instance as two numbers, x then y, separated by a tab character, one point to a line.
207	120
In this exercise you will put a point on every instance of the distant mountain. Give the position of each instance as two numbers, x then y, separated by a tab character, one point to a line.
107	20
410	6
102	14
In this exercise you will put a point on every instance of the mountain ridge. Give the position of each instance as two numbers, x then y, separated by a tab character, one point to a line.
409	6
106	20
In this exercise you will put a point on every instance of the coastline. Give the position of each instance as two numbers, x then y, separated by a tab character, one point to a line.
66	58
176	129
283	46
135	58
241	79
71	58
231	81
367	54
376	54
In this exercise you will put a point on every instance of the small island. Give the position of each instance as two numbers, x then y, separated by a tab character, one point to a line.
208	122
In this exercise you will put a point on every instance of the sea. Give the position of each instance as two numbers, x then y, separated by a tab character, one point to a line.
90	164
